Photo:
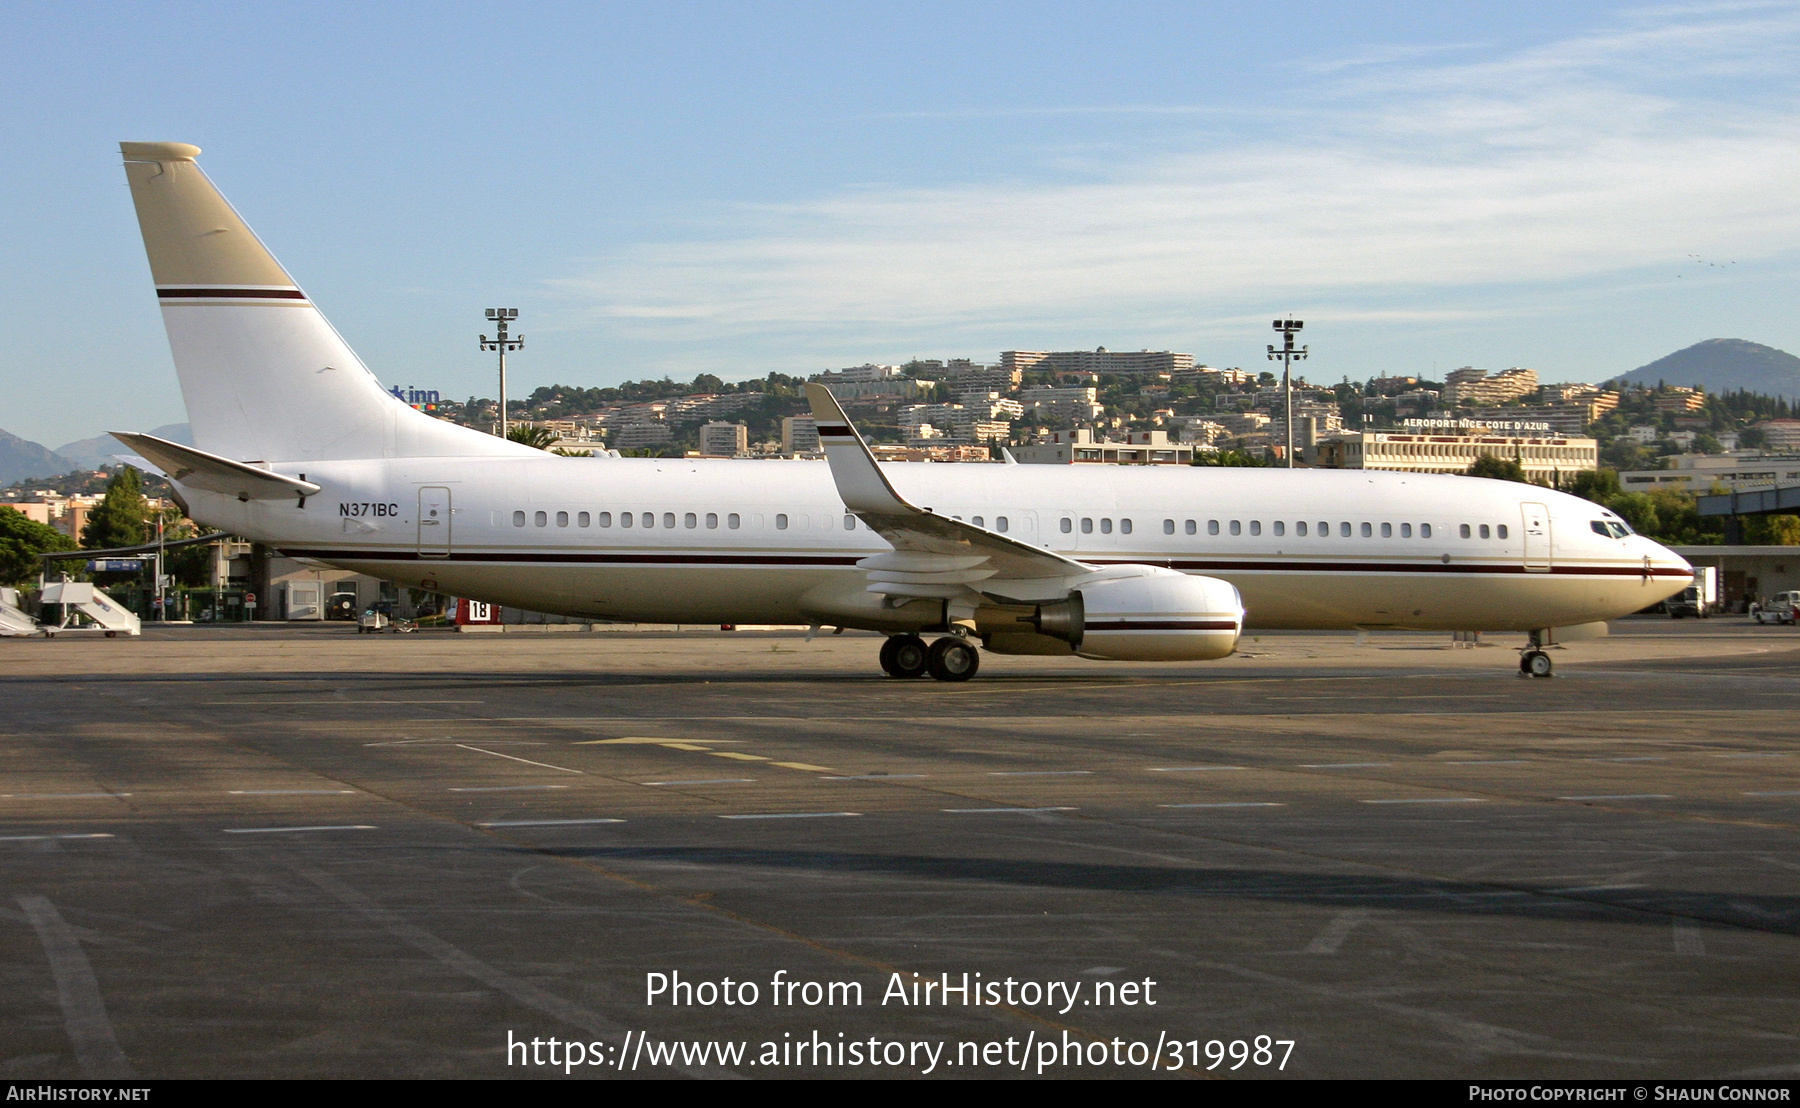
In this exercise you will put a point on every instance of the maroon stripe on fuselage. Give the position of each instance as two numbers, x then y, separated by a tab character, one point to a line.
1160	625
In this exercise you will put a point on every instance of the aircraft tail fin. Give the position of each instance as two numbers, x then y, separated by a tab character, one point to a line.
265	377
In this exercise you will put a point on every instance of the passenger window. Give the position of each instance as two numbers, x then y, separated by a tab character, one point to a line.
1280	527
731	521
978	521
1168	527
1425	530
690	521
1503	530
1087	525
781	521
581	520
562	519
1106	527
649	519
1387	530
1067	525
1300	528
605	519
1256	527
1325	530
625	519
1465	530
1124	527
1190	527
1367	531
1484	530
1406	530
1000	524
668	519
849	523
712	521
1212	526
540	518
518	519
1237	527
1344	530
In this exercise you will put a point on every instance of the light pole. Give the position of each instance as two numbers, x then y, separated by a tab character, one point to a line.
1287	356
501	343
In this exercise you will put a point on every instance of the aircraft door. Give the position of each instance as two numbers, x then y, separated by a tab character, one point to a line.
1537	537
434	521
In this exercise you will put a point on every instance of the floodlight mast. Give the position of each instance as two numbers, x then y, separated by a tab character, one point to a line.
500	342
1287	355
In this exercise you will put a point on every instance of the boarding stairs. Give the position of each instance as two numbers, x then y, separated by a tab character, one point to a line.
81	596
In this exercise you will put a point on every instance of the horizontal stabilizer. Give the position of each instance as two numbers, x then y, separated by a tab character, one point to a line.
197	469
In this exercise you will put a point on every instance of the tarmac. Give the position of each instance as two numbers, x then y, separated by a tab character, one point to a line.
301	852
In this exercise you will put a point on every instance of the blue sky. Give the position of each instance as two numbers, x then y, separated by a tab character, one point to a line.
738	188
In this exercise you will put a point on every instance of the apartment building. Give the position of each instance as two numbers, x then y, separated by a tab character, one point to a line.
1469	385
724	440
1099	360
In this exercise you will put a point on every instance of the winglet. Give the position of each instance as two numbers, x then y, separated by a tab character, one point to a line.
860	482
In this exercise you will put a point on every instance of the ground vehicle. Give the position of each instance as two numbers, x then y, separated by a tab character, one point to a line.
379	617
1699	599
1780	608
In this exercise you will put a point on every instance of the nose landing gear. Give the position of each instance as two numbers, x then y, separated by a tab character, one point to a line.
1535	663
948	659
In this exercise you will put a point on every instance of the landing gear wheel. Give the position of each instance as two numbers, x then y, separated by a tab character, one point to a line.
952	659
1535	663
112	634
904	656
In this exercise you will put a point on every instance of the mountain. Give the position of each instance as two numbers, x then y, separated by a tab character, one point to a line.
100	450
24	458
1723	365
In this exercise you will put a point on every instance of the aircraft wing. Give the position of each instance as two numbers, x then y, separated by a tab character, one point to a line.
200	470
931	549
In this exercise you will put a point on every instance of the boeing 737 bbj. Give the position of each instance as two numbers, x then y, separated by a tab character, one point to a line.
300	447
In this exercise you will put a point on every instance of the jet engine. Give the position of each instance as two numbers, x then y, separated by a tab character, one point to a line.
1146	614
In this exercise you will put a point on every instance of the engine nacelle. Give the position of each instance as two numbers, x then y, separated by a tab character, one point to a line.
1146	614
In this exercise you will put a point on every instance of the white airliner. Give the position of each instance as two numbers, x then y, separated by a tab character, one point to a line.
300	447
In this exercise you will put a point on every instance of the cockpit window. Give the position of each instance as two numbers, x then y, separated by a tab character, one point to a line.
1609	528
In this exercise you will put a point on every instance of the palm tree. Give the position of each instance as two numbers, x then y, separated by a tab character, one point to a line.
537	437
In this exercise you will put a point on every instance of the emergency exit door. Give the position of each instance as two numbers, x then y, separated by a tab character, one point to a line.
1537	537
434	522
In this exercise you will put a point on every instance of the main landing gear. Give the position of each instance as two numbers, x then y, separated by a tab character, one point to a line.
950	658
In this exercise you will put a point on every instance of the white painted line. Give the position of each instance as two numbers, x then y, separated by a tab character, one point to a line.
503	788
1345	765
1752	755
1494	762
333	827
77	993
1039	772
1645	758
973	810
1329	940
1622	796
1688	940
60	796
791	815
1191	769
874	776
1430	800
527	761
40	838
707	781
543	822
1230	804
1594	888
1780	792
291	792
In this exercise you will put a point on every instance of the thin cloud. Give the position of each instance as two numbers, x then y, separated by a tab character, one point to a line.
1564	163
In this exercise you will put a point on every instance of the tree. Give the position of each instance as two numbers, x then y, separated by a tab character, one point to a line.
1772	530
1232	458
1598	485
118	520
22	541
1500	469
1707	444
538	438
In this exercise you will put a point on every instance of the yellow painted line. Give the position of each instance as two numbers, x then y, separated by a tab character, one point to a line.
802	765
736	755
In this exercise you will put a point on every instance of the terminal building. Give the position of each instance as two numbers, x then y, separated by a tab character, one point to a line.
1454	446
